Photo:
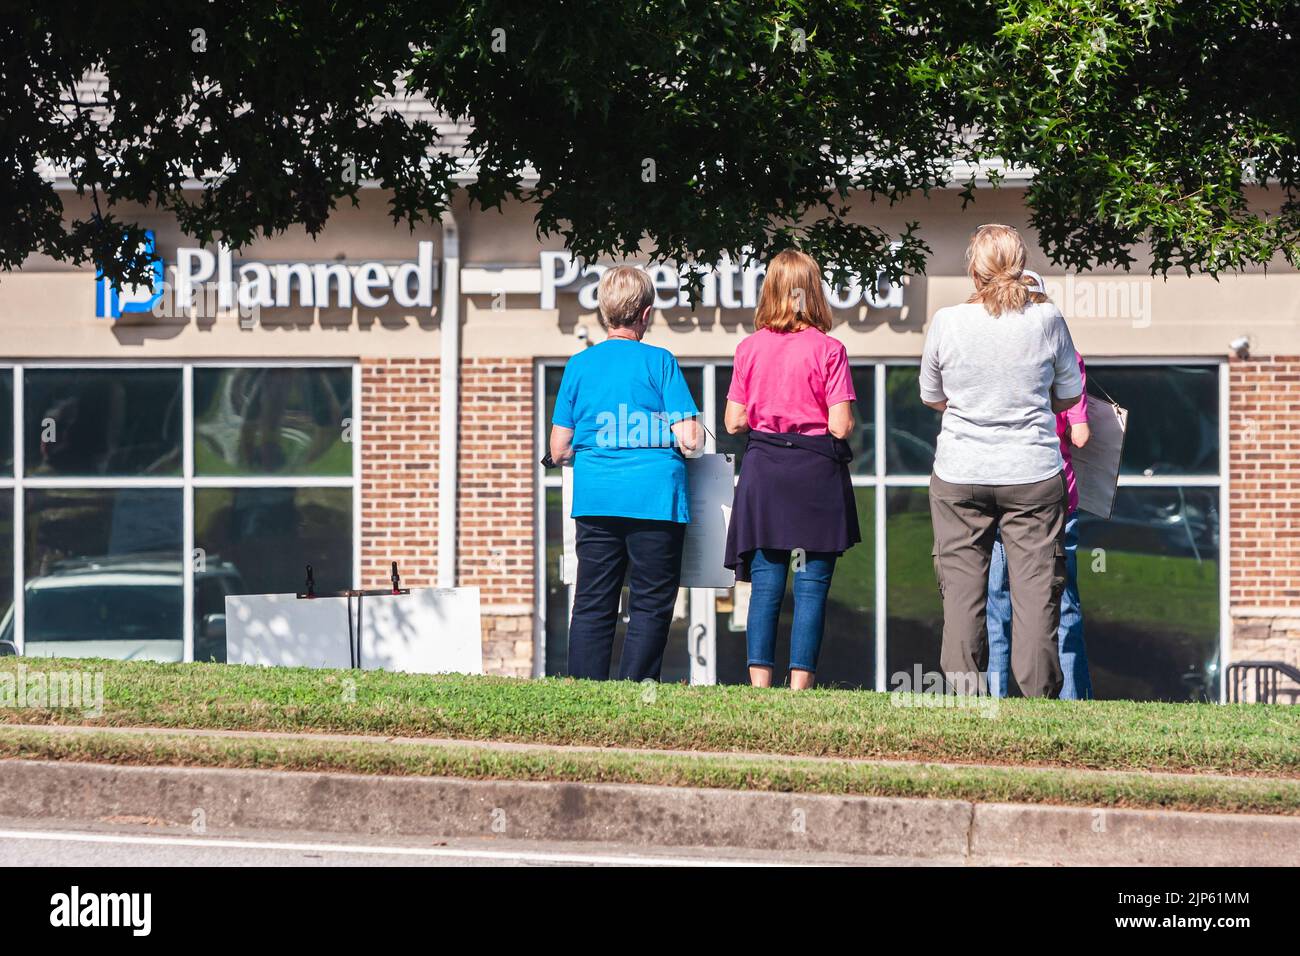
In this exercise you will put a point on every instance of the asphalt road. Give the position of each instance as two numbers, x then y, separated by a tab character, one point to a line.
59	843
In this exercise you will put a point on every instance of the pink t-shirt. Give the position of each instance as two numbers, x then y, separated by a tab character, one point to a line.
1074	415
787	381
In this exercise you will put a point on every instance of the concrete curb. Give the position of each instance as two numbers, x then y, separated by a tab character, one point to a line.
440	807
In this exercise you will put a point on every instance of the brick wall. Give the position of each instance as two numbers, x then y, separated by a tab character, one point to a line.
496	521
399	490
1264	499
399	470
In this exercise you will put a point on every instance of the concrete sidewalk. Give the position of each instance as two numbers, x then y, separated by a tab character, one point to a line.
223	800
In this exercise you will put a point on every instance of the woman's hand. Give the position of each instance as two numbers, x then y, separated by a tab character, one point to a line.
1079	434
690	437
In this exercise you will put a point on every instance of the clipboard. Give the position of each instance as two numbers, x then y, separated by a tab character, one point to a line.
1096	464
711	487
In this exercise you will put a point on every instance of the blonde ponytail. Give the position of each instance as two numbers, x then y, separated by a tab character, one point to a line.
995	261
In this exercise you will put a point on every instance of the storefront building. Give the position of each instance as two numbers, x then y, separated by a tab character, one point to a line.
155	460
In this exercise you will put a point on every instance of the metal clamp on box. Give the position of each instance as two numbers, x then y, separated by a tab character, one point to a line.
354	631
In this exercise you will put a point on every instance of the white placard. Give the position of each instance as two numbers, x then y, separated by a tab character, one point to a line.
711	486
1096	464
428	631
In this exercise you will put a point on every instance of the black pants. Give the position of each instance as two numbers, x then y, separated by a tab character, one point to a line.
649	553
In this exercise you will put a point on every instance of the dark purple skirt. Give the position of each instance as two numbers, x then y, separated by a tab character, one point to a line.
794	492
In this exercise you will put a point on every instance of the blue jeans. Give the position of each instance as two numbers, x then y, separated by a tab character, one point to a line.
767	572
1074	657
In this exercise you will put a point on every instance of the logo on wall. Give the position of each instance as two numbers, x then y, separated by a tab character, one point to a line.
112	303
206	282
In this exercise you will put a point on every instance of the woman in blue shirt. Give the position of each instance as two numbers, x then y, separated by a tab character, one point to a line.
624	418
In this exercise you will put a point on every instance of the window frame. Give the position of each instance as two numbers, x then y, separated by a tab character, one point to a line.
186	482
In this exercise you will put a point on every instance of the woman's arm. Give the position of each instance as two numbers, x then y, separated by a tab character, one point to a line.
839	419
735	418
561	445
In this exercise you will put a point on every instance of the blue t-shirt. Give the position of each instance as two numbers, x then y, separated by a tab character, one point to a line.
621	398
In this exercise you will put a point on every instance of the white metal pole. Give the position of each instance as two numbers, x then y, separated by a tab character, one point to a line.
449	402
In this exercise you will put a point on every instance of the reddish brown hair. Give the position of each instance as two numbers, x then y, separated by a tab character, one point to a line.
792	295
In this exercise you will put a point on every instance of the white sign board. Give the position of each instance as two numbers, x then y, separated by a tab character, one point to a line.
711	486
1096	464
428	631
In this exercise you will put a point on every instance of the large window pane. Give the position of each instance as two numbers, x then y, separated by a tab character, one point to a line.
552	377
911	429
863	438
1173	423
103	573
7	422
272	421
557	593
102	422
259	541
7	573
848	654
1148	581
914	628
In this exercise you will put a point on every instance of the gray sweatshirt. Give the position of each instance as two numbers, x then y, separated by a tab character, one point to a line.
997	373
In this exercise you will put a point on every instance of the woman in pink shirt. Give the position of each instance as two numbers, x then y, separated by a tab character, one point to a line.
791	391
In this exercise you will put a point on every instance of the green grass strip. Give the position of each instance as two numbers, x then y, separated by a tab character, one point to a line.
1110	735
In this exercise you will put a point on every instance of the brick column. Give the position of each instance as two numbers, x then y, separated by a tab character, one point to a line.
399	470
1264	502
497	521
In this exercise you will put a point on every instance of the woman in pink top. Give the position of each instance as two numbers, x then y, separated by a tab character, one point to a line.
791	391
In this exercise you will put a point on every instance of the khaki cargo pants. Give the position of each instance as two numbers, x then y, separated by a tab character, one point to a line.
1032	519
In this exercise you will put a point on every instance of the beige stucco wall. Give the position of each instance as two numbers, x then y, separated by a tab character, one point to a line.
47	309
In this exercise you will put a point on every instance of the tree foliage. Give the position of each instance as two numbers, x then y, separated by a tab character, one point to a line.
706	127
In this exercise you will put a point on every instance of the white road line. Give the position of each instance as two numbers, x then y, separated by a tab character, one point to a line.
445	852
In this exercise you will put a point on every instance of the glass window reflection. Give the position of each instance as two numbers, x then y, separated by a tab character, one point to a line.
1173	423
911	429
272	421
103	573
1149	583
102	422
259	541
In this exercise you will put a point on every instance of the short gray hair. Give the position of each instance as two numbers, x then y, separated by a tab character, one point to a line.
624	293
